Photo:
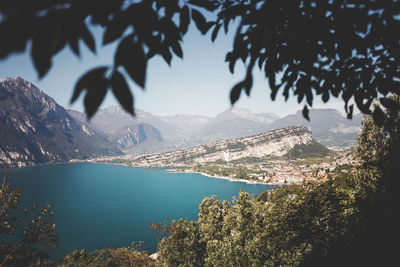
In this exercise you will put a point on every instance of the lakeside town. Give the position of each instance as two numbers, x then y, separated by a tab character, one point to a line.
277	171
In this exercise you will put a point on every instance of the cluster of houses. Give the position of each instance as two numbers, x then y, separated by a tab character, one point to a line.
295	172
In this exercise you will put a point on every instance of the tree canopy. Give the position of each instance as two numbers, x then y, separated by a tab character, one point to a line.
346	48
347	221
26	235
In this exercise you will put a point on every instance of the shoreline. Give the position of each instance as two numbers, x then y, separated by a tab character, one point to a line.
225	178
173	170
167	169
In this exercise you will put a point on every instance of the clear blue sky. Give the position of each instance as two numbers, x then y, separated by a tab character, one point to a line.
198	84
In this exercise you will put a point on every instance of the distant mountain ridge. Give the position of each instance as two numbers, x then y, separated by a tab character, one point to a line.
175	131
35	129
120	128
274	143
329	127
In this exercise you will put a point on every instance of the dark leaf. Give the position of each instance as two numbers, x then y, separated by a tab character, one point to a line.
114	30
131	56
176	47
209	25
309	98
151	53
171	32
261	60
88	38
235	92
95	95
40	52
209	5
226	24
389	103
87	80
362	104
184	20
232	65
200	21
215	32
285	91
228	57
74	45
350	113
325	97
166	54
13	42
121	91
305	113
378	116
248	82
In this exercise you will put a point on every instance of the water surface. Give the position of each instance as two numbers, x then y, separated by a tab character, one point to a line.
100	205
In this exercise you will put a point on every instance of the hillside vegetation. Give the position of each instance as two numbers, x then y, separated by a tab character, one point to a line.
314	149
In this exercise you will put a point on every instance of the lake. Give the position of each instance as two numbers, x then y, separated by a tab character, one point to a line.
100	205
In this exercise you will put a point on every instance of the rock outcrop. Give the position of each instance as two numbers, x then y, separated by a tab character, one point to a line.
273	143
35	129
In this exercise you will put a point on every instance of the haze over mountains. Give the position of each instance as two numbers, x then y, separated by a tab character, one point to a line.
166	133
276	143
35	129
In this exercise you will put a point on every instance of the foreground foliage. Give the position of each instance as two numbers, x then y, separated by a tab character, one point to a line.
25	235
347	49
294	224
126	256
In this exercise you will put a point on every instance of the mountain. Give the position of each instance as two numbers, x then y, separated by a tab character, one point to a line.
274	143
123	130
167	133
188	123
144	132
35	129
329	126
233	123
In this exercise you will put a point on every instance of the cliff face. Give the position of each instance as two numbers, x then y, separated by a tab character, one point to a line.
119	128
273	143
329	126
35	129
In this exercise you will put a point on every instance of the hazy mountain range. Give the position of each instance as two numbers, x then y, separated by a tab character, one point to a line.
148	133
35	129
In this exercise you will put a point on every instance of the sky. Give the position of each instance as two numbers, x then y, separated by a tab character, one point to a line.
197	84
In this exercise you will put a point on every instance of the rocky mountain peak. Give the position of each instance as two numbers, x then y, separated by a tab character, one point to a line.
35	129
240	111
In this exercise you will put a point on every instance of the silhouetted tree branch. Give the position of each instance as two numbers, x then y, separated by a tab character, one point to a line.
346	48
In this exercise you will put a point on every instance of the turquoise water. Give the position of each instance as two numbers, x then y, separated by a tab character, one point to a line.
99	205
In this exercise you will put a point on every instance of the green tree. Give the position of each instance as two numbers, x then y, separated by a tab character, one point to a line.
242	173
379	149
296	226
307	224
126	256
376	195
184	246
211	216
25	235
